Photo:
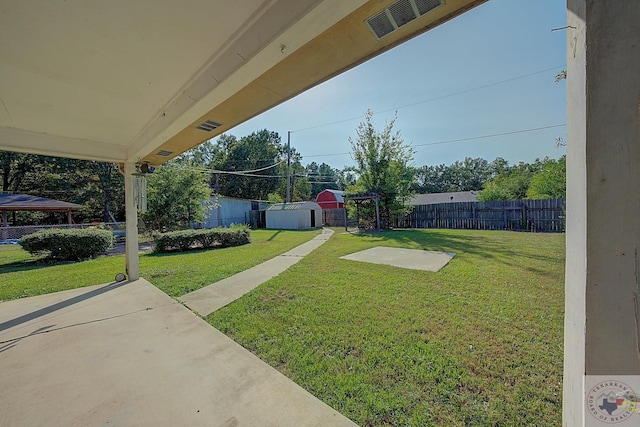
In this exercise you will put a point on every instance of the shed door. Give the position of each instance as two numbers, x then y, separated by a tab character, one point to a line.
313	218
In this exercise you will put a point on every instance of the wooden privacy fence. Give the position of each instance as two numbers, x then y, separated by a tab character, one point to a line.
529	215
333	217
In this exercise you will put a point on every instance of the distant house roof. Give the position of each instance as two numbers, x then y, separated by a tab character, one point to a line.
434	198
293	206
24	202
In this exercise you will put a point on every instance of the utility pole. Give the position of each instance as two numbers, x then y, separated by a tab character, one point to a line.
288	196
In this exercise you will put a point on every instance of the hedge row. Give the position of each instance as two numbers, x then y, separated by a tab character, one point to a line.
68	245
199	239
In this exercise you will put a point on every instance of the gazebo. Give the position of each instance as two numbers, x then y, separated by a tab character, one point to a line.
24	202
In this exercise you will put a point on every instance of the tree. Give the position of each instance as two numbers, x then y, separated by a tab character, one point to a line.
323	177
255	152
177	196
97	186
468	175
382	166
509	185
551	182
15	167
541	179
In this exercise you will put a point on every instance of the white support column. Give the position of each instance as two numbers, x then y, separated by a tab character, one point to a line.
602	287
133	261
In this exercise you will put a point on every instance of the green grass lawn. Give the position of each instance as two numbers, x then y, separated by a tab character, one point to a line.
477	344
176	273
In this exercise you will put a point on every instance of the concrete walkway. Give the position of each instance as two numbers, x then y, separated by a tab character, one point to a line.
126	354
206	300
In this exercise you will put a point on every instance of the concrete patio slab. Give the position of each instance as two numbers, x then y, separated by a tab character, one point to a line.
414	259
205	301
126	354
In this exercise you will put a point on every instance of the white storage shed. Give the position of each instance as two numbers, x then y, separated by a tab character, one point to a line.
294	216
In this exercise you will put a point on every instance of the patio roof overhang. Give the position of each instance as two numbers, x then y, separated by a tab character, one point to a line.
130	82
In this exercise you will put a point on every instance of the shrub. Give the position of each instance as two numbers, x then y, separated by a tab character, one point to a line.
68	245
201	239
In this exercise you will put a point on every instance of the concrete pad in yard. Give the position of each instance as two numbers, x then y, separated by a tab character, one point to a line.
127	354
414	259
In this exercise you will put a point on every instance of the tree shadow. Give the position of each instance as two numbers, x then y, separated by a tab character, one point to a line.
31	264
274	235
484	246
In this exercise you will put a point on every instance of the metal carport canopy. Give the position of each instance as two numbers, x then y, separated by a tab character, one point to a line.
131	81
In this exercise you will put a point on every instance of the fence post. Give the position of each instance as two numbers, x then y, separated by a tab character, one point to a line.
346	226
504	214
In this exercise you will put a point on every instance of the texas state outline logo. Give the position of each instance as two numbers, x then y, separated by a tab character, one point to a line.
611	402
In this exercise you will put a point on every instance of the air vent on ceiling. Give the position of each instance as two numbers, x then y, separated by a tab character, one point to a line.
399	14
208	126
402	12
425	6
164	153
380	24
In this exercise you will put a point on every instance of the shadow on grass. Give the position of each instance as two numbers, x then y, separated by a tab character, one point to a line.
484	246
193	250
32	264
274	235
176	252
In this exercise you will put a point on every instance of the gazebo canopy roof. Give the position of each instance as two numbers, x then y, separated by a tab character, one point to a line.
24	202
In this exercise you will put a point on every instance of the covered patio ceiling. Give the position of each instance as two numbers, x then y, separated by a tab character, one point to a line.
134	81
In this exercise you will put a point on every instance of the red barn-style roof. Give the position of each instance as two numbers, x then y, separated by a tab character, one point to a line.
330	199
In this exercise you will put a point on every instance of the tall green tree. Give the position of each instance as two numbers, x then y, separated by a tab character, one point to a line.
510	185
382	166
15	167
323	177
257	152
177	196
97	186
539	179
551	181
467	175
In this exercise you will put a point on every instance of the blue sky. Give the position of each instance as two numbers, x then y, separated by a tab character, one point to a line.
486	72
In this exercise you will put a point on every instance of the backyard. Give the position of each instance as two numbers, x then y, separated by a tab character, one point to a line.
176	273
478	343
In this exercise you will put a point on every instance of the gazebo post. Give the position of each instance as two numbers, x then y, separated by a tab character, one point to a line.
5	224
345	216
69	220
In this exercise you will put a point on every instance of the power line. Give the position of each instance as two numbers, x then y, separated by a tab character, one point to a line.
243	173
424	101
490	136
327	155
471	138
